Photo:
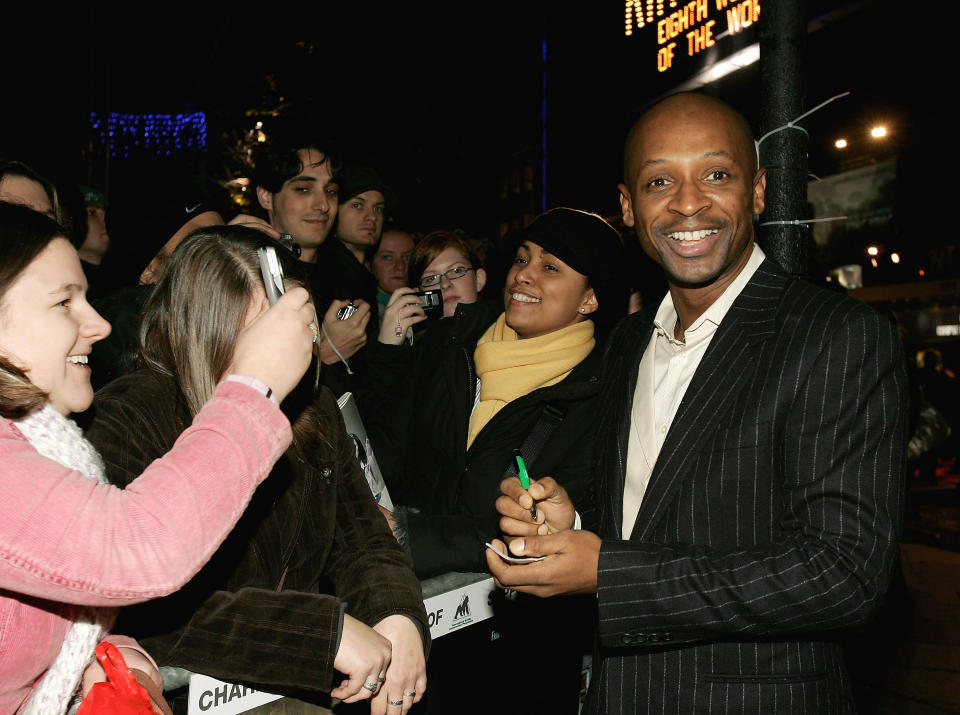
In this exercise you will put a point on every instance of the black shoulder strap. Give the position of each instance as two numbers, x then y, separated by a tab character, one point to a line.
549	420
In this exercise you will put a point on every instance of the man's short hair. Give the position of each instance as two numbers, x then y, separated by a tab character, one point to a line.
276	160
719	104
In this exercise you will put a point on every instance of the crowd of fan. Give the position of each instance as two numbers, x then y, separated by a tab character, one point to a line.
451	381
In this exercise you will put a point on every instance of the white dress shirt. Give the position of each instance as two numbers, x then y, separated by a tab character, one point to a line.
665	372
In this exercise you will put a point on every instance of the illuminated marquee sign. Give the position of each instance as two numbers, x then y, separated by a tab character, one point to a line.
687	28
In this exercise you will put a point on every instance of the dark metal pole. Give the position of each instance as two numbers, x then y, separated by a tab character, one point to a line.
783	35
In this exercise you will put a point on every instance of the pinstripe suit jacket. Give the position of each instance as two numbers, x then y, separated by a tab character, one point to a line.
772	515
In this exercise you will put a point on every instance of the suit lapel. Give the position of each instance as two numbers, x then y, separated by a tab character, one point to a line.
616	403
727	367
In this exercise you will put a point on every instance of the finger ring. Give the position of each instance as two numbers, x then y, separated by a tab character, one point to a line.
372	687
412	694
381	678
399	331
395	702
315	331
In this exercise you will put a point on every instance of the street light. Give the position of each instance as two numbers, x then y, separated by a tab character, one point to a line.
840	143
872	250
878	132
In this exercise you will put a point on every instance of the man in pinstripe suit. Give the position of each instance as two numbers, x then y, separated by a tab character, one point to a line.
750	456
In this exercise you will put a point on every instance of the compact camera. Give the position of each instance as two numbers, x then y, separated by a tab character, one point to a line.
432	302
346	311
272	273
286	240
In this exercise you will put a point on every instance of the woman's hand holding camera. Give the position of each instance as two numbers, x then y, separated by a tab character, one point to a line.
403	311
287	323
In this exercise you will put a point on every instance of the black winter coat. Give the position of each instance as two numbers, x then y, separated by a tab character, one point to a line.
337	275
420	438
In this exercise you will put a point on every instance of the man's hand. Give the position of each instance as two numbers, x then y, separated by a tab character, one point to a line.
555	511
254	222
363	657
570	566
348	335
407	675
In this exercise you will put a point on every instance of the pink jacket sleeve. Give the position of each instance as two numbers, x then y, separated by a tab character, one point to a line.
67	538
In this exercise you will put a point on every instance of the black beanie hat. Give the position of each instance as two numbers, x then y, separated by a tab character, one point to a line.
591	246
355	180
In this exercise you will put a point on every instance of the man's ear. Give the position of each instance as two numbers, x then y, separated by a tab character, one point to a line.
481	278
626	205
265	199
759	189
590	303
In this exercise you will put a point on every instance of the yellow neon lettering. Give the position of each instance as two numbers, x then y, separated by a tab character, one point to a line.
665	57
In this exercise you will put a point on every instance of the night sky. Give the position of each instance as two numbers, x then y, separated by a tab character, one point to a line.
445	98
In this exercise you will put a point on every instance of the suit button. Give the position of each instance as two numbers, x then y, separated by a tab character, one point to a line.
667	637
325	472
626	639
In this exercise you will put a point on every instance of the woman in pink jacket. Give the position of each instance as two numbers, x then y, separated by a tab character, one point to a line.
73	548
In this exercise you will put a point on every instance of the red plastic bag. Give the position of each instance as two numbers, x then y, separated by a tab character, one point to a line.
121	694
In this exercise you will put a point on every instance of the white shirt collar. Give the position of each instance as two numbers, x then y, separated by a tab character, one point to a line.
666	317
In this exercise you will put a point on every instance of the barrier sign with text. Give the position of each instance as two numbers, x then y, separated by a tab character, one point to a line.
209	696
446	612
450	611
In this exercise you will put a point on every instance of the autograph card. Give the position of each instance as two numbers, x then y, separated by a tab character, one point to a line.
514	559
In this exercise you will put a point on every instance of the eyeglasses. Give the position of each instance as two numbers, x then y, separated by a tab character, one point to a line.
451	275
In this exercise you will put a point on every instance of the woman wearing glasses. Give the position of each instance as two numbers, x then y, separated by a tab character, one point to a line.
448	261
442	260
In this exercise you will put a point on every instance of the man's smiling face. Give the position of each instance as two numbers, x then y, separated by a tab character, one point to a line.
693	190
306	205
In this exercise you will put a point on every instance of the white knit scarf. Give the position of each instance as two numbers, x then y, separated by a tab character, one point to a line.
58	438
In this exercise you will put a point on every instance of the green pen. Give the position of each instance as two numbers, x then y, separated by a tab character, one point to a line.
525	482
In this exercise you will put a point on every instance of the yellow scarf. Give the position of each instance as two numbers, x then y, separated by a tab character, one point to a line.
509	368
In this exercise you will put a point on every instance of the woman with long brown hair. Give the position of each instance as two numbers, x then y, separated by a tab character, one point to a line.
311	581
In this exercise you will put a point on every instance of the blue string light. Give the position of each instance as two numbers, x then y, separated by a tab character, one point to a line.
160	134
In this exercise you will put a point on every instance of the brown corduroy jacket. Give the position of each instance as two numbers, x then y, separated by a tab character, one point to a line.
267	607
